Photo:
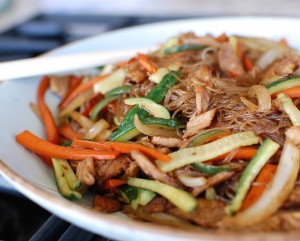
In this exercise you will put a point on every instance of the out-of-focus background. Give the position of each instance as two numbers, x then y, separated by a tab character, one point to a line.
32	27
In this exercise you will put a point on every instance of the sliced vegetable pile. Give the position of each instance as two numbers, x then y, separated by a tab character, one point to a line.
206	129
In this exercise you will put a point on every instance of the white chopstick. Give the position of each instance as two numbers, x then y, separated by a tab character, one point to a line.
62	63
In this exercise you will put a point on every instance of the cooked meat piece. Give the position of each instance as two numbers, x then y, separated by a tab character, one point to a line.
105	204
207	40
106	169
200	76
59	85
166	141
207	213
157	205
202	99
293	133
135	71
229	61
132	170
86	171
211	181
294	198
149	168
197	123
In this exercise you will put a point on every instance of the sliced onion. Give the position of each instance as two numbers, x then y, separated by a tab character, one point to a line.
276	193
98	127
82	120
77	102
263	96
191	181
269	57
249	104
151	130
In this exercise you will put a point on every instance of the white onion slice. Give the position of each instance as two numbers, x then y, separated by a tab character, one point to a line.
190	181
97	128
275	194
269	57
263	96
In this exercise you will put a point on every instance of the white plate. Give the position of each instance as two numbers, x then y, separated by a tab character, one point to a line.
36	181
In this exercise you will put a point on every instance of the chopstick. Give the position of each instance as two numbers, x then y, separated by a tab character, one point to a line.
62	63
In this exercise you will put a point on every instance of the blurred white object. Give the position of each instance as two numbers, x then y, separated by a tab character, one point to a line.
198	8
61	63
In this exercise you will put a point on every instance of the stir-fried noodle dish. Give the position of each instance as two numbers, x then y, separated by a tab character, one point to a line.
204	131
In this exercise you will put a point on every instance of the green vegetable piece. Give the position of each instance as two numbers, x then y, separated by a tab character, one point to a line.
211	170
136	196
100	68
68	143
283	84
263	155
128	192
66	180
202	137
118	91
100	105
151	106
181	48
208	151
157	94
180	198
160	122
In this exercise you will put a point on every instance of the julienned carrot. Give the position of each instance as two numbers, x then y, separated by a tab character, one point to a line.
77	143
48	149
291	92
74	82
111	183
248	64
283	42
146	63
241	153
47	118
81	88
264	177
121	147
128	147
65	130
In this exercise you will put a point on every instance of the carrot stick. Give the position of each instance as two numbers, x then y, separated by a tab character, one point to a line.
128	147
47	118
120	147
111	183
242	153
48	149
74	82
77	143
65	130
146	63
81	88
291	92
264	177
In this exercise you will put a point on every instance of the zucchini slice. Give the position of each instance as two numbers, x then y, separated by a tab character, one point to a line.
180	198
263	155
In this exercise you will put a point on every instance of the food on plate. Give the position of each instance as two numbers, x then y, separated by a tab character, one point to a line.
204	131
